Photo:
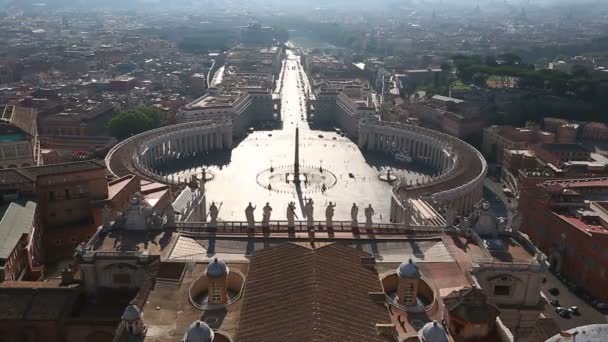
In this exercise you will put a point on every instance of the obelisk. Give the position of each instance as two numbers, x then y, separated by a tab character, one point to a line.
296	162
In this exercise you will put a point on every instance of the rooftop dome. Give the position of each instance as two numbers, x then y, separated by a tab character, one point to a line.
433	332
216	269
131	313
408	270
199	332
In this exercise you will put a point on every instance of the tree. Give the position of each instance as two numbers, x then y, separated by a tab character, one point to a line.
281	34
491	61
510	59
580	72
135	121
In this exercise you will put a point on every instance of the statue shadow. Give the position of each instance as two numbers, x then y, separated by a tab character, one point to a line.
300	198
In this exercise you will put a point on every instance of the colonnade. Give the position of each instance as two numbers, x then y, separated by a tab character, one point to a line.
184	143
460	167
146	151
434	151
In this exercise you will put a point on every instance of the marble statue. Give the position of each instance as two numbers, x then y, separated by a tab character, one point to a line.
542	260
502	224
213	213
266	211
369	213
291	213
154	221
309	212
354	211
202	180
249	215
329	214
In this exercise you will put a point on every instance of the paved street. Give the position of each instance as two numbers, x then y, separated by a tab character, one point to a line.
566	298
235	183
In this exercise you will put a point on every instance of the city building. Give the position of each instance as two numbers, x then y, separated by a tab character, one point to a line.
453	116
21	240
19	144
497	139
567	219
243	109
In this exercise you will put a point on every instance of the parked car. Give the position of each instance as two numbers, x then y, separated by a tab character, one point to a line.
602	306
574	310
564	314
554	302
554	291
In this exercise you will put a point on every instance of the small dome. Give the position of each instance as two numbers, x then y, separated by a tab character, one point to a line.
199	332
408	270
131	313
433	332
216	269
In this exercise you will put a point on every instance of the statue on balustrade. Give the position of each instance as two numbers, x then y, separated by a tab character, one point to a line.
213	213
249	215
354	212
309	212
291	214
329	214
369	213
267	210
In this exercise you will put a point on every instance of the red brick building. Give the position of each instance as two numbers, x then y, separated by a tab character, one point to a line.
70	200
568	220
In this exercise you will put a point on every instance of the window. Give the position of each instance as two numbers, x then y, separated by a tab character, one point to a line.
51	195
502	290
67	193
216	293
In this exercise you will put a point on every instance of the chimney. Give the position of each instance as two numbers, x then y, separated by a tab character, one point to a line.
387	330
377	297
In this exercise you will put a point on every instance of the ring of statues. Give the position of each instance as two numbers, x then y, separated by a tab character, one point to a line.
456	186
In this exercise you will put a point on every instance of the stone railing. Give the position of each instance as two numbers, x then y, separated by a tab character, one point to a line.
240	227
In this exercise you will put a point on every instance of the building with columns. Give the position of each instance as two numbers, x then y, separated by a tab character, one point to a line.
243	108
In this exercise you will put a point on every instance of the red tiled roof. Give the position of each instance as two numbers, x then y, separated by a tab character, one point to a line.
553	185
294	293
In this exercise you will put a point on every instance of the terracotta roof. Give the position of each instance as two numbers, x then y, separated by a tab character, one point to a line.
78	166
294	293
38	303
23	118
471	305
